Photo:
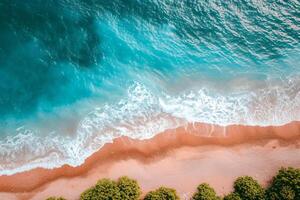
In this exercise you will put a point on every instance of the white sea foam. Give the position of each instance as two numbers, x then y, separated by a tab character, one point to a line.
141	115
138	116
276	105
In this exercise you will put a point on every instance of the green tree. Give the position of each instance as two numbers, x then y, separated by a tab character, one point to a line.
105	189
55	198
232	196
205	192
285	185
129	188
162	193
248	188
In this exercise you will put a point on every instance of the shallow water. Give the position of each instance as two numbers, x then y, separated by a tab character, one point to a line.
76	74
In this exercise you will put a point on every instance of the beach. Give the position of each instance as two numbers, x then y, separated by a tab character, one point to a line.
169	93
181	158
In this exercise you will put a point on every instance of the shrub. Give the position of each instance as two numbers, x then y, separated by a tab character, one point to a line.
162	193
55	198
285	185
248	188
129	188
232	196
205	192
105	189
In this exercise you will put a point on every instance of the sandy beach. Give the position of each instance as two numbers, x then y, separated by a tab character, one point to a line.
180	158
168	93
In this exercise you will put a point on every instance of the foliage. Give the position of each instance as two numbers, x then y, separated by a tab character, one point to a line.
55	198
105	189
129	188
205	192
162	193
232	196
248	188
285	185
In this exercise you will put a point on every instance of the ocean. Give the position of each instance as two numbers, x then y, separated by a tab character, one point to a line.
75	74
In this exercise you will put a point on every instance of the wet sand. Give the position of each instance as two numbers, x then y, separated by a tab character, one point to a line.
180	158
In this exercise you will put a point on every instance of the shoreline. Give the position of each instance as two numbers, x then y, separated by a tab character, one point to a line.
176	153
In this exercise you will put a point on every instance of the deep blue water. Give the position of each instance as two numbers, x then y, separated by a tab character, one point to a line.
74	74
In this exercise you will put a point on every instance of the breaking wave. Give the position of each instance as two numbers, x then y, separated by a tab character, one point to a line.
142	115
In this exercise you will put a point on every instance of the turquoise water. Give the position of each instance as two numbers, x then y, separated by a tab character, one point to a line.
76	74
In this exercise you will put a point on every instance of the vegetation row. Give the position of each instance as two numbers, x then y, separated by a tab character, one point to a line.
284	186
